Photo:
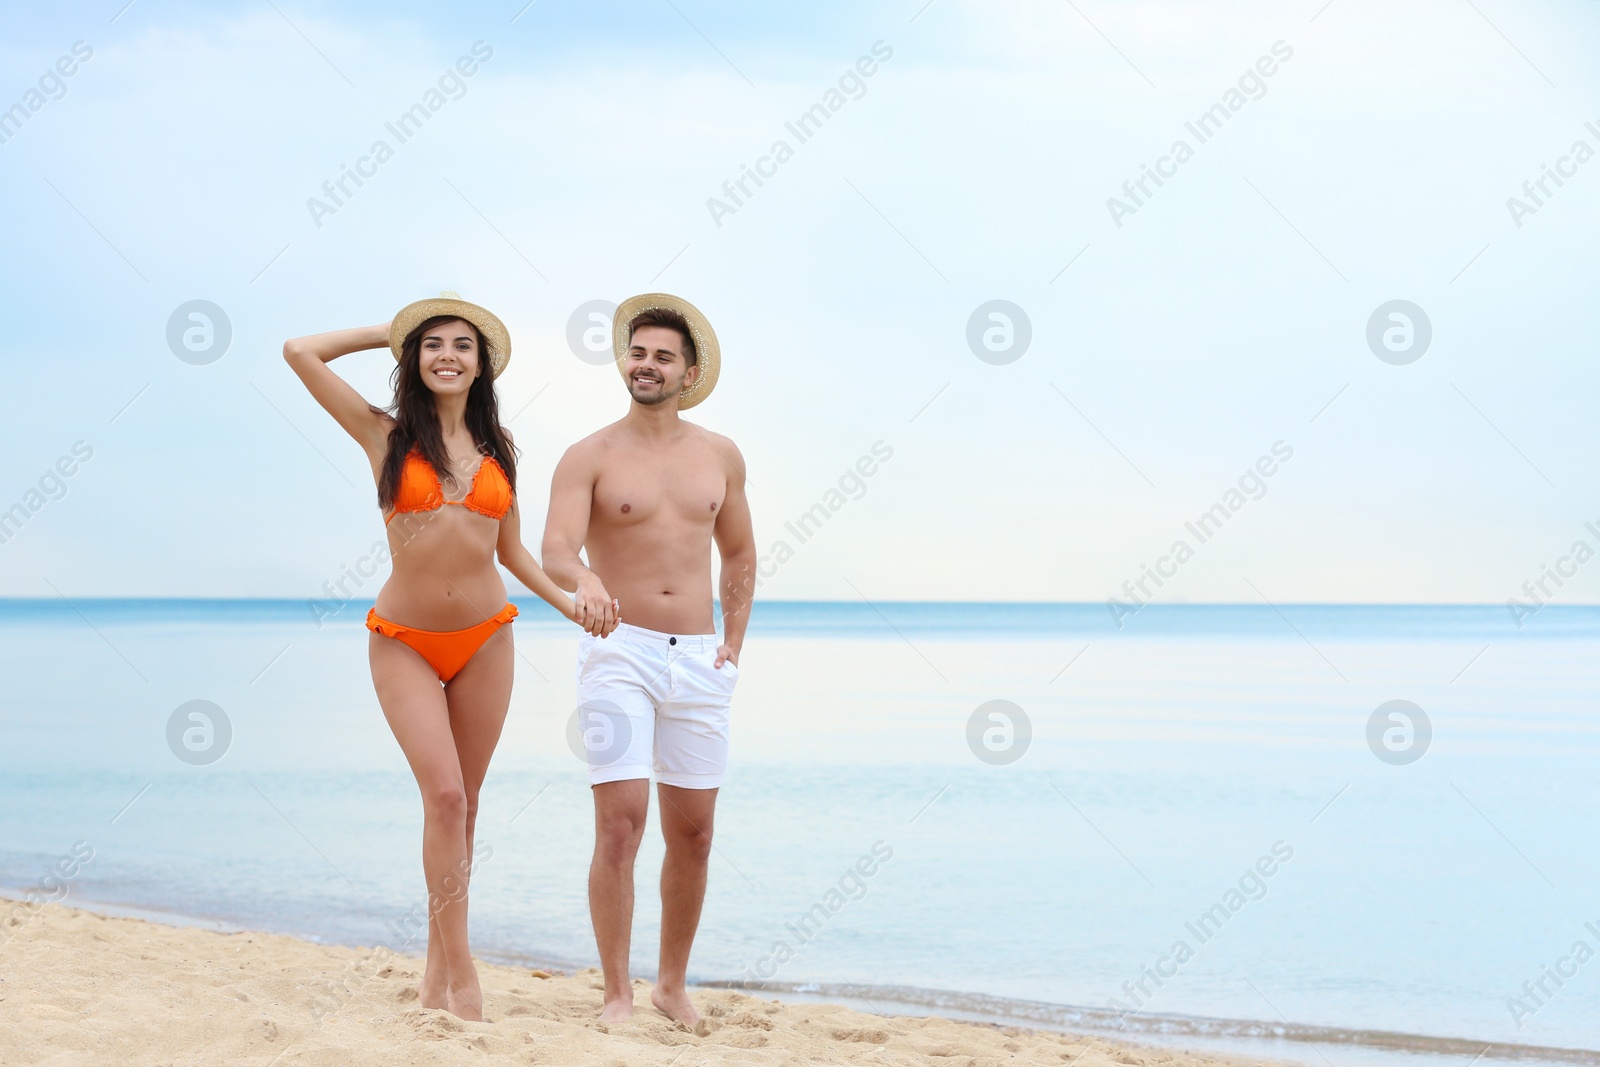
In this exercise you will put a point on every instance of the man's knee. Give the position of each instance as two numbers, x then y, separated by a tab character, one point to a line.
617	833
689	842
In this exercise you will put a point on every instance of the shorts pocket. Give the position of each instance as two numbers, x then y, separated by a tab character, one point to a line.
586	647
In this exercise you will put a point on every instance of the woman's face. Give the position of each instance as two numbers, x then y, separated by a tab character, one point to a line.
449	357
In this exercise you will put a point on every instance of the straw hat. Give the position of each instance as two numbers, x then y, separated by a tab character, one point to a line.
708	353
450	303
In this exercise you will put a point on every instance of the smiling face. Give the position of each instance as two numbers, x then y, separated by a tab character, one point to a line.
656	368
449	359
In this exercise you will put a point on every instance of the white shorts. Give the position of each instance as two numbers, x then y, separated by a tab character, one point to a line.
649	700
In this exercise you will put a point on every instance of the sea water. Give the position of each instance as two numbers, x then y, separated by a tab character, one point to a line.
1188	828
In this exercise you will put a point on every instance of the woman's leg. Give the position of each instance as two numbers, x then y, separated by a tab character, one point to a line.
415	705
478	698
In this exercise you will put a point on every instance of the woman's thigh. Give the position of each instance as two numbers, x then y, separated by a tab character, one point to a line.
479	697
414	703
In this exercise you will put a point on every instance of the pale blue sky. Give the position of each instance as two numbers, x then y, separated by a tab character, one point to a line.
1174	351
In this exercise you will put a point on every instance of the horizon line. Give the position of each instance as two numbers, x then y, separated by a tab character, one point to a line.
1099	604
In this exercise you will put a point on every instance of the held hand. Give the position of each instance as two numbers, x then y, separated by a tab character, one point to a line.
727	654
594	609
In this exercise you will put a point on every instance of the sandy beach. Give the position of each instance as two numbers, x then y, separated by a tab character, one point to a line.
81	987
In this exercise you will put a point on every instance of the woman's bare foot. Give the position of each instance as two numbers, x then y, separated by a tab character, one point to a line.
675	1005
465	1001
431	990
618	1008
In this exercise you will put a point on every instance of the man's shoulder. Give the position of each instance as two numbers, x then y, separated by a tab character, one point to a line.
721	440
594	446
722	444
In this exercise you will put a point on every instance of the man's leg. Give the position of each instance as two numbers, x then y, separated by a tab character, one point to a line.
686	825
619	814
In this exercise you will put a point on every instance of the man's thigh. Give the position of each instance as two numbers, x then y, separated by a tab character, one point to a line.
692	727
616	714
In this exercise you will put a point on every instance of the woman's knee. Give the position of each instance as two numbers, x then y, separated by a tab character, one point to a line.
445	801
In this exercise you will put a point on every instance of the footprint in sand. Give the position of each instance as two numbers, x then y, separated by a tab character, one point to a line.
745	1039
876	1037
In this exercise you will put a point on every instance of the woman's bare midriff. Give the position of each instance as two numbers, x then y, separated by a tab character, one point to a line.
443	573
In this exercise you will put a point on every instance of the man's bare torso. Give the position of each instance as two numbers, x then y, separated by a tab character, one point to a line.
652	517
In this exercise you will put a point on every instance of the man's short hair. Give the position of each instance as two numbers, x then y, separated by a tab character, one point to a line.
672	320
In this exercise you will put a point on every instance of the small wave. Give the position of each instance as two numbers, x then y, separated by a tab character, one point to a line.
1069	1017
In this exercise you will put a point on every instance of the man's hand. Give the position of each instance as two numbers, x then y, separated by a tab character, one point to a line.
593	608
727	654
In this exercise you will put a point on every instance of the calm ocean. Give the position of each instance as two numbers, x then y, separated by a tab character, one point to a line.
1198	834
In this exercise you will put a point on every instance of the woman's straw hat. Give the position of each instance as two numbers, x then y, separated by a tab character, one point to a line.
450	303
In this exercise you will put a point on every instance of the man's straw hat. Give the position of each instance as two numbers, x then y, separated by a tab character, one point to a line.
708	353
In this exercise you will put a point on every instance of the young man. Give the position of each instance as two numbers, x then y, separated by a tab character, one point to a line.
646	496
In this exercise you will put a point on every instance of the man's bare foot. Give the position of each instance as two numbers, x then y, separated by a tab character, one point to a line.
618	1008
675	1005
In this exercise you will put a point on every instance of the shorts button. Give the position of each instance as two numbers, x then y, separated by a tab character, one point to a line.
672	640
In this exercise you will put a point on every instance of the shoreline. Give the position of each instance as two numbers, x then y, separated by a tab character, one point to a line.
1167	1033
81	986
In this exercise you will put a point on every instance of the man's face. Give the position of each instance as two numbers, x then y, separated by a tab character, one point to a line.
657	370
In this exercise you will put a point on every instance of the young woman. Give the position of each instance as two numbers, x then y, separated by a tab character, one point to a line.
440	646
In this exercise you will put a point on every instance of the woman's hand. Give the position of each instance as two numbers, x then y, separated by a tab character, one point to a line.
591	607
594	609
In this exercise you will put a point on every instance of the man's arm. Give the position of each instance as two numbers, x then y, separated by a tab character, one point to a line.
515	557
736	543
566	526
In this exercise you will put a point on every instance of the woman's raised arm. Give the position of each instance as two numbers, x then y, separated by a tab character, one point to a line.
309	356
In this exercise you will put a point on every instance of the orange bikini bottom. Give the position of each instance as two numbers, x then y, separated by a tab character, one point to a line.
446	651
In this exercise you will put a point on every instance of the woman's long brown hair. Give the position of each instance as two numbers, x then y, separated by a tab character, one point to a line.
416	421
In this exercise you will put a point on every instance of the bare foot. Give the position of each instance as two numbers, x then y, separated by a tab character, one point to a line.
465	1005
431	991
464	1000
618	1008
675	1006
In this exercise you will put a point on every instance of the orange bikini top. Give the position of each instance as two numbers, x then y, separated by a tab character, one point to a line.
420	490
